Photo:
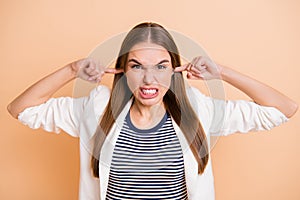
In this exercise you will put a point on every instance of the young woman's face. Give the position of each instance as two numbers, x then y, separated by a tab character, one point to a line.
149	71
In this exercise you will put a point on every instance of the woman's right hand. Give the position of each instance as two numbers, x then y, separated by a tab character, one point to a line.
42	90
89	70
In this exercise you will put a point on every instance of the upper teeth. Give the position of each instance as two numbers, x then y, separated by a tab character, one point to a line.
149	91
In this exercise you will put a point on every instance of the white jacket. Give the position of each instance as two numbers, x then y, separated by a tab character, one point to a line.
79	117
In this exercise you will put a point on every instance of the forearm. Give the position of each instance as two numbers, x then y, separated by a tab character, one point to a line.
42	90
260	93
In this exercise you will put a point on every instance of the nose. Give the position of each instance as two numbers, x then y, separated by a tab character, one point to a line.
148	76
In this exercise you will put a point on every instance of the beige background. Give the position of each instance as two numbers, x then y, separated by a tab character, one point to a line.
259	38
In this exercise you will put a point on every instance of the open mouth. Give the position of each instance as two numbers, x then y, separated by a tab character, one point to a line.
148	92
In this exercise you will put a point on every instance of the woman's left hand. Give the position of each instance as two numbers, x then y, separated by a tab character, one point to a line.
201	68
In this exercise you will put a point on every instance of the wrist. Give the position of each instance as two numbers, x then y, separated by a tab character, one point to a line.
224	72
73	70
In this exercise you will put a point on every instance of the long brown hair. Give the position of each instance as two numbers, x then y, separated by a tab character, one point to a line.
178	105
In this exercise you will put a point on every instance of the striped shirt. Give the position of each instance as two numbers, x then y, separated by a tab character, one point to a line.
147	163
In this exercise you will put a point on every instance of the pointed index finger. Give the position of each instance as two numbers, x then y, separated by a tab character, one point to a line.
113	71
181	68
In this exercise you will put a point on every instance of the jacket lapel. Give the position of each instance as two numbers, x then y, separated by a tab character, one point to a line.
108	148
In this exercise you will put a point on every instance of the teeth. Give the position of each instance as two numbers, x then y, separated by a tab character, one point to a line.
150	91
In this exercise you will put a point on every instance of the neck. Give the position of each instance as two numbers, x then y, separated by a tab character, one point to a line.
146	116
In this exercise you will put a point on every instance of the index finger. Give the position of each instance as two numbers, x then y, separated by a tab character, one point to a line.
113	71
181	68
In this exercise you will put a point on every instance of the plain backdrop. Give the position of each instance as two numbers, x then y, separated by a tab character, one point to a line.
258	38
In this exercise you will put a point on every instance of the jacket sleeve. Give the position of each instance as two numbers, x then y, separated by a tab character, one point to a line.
56	114
224	117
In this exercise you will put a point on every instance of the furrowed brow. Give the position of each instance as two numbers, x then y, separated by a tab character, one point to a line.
163	61
134	60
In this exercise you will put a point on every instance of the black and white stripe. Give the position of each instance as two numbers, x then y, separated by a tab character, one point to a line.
147	164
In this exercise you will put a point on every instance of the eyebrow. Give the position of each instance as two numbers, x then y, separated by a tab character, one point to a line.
134	60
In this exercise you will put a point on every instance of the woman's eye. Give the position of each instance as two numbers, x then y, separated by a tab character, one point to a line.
160	67
136	66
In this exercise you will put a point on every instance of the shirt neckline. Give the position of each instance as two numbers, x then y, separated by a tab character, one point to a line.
150	130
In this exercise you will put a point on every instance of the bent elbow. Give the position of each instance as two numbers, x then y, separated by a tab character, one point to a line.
11	111
292	110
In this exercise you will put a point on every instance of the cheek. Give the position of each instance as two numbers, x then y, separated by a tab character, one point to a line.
166	81
133	81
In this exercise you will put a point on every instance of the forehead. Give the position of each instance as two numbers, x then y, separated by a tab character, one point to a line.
148	53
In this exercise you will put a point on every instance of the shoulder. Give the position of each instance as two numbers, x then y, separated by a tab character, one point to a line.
196	96
194	91
100	90
204	106
99	94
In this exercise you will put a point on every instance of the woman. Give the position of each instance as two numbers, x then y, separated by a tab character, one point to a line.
149	140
